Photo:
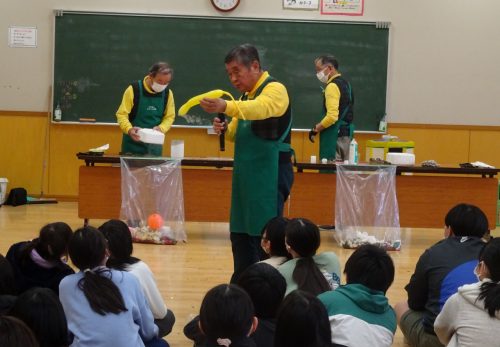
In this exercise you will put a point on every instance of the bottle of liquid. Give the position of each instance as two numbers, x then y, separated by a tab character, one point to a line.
353	152
382	126
58	113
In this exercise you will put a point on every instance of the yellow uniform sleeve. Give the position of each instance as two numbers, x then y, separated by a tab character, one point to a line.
272	102
125	109
169	115
332	100
231	129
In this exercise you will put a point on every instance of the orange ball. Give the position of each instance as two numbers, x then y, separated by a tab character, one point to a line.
155	221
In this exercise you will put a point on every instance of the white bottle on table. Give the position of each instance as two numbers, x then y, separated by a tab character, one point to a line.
58	113
353	152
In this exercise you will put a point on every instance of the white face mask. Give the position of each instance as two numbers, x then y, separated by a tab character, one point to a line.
323	78
157	87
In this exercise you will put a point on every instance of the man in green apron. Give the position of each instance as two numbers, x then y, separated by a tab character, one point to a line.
263	171
147	103
336	126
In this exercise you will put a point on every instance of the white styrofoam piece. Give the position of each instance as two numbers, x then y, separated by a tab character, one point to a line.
151	136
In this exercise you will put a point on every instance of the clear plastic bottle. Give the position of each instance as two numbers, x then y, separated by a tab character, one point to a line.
382	126
353	152
58	113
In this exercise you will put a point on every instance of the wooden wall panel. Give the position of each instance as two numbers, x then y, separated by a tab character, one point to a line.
446	146
22	142
485	147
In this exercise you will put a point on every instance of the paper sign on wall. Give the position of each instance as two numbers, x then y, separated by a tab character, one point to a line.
301	4
24	37
342	7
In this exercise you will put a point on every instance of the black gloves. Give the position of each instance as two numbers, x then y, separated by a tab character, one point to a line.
312	134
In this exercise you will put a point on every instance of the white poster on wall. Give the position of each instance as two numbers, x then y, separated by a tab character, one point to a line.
24	37
342	7
301	4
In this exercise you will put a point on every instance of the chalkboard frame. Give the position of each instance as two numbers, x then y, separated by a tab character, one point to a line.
221	72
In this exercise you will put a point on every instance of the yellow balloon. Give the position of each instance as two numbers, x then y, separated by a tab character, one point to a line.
195	100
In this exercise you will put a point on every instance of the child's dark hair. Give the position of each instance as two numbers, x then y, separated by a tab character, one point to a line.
51	244
370	266
303	237
226	312
302	322
87	249
42	311
275	234
467	220
7	279
490	291
265	286
14	333
120	244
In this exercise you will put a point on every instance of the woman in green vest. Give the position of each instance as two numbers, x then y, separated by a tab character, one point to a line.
260	128
146	103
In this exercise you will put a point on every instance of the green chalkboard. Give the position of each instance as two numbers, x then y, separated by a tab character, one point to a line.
97	55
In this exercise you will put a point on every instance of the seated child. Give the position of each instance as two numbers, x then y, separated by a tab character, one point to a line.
471	317
302	322
41	262
104	307
360	314
308	271
273	241
120	247
227	317
266	288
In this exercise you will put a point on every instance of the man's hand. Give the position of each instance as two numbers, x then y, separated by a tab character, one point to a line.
157	128
134	134
213	105
312	134
219	127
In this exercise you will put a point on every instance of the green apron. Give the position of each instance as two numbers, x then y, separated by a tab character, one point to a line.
149	114
255	178
328	137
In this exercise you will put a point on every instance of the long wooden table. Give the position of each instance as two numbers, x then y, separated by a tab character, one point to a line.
424	197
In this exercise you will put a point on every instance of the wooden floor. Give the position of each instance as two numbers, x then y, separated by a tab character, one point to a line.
186	271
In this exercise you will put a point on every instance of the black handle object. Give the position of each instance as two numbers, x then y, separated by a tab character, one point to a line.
312	134
222	139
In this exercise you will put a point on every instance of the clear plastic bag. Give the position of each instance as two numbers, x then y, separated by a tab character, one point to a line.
366	207
153	200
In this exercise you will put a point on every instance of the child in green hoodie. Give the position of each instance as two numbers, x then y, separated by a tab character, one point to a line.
359	312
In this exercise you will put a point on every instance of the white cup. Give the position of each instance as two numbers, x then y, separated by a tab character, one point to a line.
177	149
324	161
313	159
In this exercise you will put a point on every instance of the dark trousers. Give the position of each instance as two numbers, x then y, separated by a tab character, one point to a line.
246	251
285	182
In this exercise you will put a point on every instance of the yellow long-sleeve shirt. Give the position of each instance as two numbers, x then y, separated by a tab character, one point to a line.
122	115
332	101
272	102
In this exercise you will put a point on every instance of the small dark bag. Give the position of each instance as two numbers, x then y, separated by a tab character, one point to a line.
17	196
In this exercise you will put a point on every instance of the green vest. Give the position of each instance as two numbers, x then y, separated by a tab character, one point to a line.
328	137
255	176
150	111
